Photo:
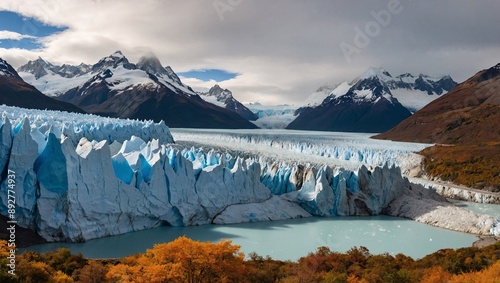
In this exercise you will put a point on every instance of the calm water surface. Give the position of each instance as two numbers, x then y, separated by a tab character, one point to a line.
288	239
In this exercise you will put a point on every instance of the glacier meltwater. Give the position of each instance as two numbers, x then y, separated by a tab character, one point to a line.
81	177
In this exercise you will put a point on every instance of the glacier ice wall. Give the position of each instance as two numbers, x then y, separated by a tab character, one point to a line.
68	192
76	191
76	126
349	150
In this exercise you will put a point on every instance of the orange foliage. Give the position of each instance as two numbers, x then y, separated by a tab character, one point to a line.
472	165
183	260
61	277
489	275
436	275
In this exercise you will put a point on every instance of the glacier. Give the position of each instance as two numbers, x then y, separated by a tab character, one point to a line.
80	177
348	150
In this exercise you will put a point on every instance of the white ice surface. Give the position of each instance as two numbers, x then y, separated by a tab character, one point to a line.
349	150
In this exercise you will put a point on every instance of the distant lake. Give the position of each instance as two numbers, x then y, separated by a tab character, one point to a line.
288	239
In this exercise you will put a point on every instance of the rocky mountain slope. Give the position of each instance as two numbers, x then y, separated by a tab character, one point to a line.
224	98
468	114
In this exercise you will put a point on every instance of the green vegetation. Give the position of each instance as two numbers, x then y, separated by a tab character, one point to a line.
475	166
185	260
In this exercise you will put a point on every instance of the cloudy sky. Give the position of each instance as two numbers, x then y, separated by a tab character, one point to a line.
274	52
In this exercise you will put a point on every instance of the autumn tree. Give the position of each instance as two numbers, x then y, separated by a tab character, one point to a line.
62	259
5	277
183	260
93	272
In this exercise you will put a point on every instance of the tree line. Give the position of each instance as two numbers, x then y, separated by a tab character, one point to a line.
186	260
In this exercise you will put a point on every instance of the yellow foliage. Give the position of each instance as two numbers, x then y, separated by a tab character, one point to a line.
472	165
436	275
93	272
61	277
33	271
353	279
183	260
489	275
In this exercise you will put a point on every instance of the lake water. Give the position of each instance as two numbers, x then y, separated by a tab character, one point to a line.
481	208
288	239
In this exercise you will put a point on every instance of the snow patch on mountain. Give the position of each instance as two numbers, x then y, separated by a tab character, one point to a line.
123	78
317	97
5	69
372	72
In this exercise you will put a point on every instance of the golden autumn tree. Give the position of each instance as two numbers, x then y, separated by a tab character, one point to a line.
489	275
183	260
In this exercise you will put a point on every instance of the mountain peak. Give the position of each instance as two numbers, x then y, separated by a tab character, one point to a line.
6	70
112	61
380	73
490	73
38	67
216	87
405	75
117	54
151	64
219	92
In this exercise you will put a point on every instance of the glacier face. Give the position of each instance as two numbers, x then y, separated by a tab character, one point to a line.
348	150
272	117
80	177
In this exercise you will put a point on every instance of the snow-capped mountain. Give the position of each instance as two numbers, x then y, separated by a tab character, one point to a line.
16	92
412	91
224	98
373	102
468	114
152	65
6	69
40	68
317	97
116	87
53	80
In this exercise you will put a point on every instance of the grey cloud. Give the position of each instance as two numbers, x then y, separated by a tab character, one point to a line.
284	48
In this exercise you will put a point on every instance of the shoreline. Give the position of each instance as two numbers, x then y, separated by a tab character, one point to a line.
458	192
484	241
26	237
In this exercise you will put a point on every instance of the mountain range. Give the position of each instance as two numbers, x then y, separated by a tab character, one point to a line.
373	102
468	114
15	92
118	88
